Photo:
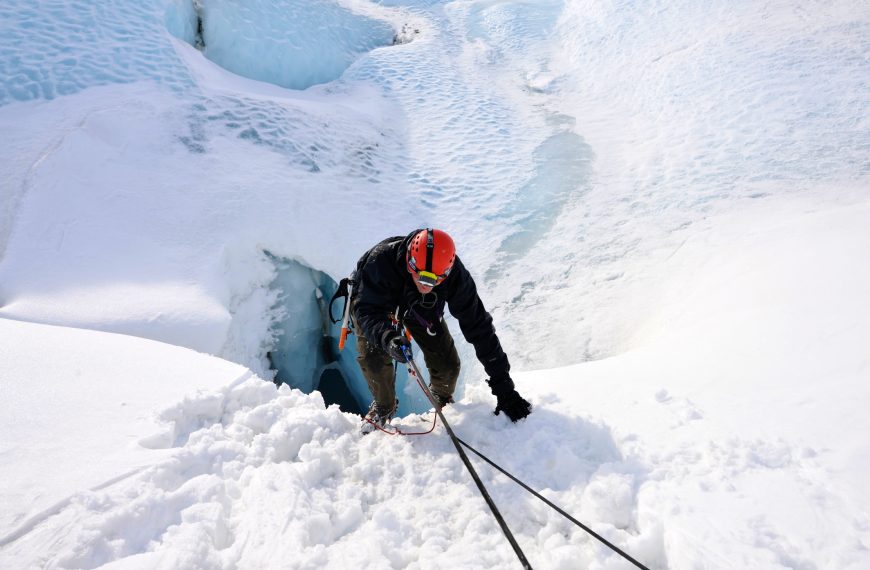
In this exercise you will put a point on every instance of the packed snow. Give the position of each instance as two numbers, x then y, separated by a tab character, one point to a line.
665	207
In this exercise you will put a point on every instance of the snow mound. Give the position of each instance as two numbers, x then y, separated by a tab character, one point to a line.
259	474
745	398
74	420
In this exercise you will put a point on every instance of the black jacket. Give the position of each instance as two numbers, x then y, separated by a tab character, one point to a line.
382	283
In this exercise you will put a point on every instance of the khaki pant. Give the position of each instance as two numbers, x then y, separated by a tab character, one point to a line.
439	353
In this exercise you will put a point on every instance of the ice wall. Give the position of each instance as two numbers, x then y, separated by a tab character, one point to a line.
302	341
305	354
291	43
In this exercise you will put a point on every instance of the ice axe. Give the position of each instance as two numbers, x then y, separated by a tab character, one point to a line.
344	328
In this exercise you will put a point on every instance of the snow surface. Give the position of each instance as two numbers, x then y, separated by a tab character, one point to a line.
78	418
665	207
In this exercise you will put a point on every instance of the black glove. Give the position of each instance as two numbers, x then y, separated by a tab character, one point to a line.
512	404
394	343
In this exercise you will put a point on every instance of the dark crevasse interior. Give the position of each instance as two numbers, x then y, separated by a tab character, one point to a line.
305	353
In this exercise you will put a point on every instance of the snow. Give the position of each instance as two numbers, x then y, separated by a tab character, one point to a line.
79	418
664	207
726	412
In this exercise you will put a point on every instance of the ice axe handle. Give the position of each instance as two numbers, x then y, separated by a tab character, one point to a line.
345	318
343	338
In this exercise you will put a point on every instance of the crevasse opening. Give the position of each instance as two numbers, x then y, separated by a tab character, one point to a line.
290	43
305	354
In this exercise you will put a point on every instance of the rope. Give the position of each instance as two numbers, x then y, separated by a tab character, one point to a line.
556	508
397	431
492	506
459	444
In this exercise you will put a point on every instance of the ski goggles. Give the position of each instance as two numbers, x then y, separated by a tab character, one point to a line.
424	277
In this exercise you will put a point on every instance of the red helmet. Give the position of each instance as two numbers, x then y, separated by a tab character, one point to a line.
430	256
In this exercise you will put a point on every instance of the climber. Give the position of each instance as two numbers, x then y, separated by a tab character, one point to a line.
408	281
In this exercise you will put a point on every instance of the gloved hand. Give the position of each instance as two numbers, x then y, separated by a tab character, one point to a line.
512	404
393	344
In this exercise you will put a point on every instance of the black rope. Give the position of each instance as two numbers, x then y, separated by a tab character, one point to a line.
558	510
467	462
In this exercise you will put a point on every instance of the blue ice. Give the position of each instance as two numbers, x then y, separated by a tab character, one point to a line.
293	43
563	164
56	47
305	354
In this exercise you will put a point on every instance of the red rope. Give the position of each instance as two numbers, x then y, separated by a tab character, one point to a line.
397	431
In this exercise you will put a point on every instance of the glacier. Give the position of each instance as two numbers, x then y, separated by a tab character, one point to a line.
292	43
664	208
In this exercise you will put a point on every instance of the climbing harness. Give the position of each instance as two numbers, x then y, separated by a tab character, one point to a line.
427	304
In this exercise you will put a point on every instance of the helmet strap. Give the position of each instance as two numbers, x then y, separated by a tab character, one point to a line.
430	249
